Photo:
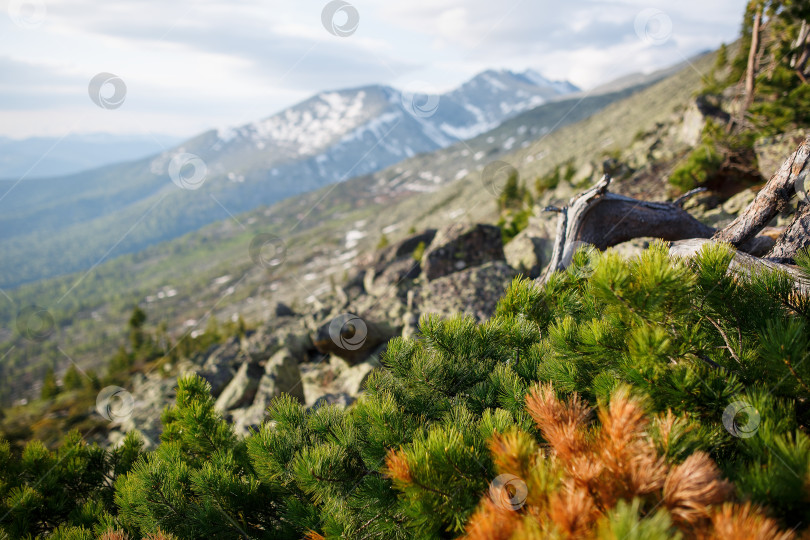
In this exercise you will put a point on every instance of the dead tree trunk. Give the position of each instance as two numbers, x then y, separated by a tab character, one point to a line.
605	219
772	198
752	66
795	238
742	263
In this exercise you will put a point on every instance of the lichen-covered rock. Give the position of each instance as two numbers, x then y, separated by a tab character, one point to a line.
531	249
281	376
461	246
632	248
401	250
332	380
265	343
396	273
395	263
220	365
740	201
242	388
474	291
341	400
771	151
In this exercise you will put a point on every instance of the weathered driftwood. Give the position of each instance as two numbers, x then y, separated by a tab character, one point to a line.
795	237
742	263
605	219
771	199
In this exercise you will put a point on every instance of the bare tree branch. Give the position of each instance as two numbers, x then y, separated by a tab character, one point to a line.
771	199
742	263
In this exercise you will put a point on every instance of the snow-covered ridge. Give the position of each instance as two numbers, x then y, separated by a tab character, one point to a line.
335	135
308	127
476	106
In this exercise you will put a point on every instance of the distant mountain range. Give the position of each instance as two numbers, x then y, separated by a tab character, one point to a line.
335	135
57	156
51	226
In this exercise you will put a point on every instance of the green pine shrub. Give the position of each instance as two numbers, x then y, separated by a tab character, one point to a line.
720	156
68	492
711	369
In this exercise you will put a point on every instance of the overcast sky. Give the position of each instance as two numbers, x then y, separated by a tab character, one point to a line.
189	65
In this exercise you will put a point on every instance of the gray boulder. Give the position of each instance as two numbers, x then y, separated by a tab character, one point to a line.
335	381
531	249
474	291
461	246
242	388
281	376
396	273
401	250
395	264
351	337
220	365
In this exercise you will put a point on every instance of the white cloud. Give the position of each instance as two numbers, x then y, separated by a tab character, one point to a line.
191	64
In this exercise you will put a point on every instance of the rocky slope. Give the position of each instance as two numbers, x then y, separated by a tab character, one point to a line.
324	356
323	350
321	239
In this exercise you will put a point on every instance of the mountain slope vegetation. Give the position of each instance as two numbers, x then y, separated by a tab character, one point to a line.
88	307
646	396
52	226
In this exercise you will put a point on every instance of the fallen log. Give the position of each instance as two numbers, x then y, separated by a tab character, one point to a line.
742	264
604	219
795	237
770	200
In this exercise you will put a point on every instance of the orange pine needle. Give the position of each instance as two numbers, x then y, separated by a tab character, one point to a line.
693	487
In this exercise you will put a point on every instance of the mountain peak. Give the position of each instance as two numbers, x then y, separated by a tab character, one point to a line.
538	79
530	78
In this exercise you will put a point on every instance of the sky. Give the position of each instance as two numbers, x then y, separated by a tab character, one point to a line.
180	67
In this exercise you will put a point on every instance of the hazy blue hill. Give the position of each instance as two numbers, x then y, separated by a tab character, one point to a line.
57	156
